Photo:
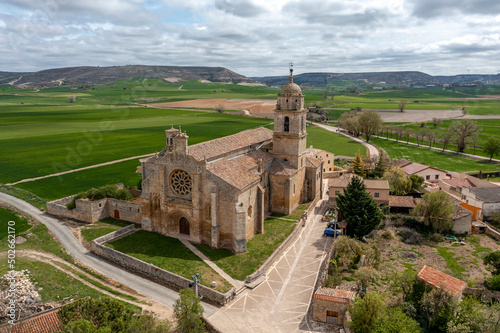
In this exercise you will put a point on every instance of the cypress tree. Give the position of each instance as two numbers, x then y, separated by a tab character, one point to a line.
358	207
358	166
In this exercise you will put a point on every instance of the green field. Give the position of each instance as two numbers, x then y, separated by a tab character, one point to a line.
42	132
448	162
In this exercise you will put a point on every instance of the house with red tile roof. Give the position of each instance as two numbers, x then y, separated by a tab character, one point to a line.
330	305
378	189
438	279
46	322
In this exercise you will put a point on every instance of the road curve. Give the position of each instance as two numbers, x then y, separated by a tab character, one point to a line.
143	286
374	154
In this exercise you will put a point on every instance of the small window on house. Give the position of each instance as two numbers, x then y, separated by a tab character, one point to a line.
286	124
330	169
376	194
293	188
437	177
100	205
328	161
427	177
337	192
249	211
324	170
326	155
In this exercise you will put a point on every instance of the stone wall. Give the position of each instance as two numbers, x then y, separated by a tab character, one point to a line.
479	293
150	271
93	211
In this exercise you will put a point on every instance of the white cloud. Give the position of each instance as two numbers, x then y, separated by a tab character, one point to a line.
252	37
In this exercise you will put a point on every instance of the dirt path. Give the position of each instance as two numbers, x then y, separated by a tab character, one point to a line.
80	169
161	311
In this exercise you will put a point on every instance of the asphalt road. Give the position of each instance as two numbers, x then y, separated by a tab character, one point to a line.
143	286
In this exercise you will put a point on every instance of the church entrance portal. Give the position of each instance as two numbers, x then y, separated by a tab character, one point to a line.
183	226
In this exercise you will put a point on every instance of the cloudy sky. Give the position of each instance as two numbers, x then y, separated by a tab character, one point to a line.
254	37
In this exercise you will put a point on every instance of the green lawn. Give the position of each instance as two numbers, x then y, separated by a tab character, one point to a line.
451	261
41	240
239	266
331	142
170	254
448	162
101	228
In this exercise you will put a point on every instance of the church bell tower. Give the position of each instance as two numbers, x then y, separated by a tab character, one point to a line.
289	138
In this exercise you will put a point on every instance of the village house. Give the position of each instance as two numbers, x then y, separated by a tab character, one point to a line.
326	157
438	279
430	174
378	189
330	305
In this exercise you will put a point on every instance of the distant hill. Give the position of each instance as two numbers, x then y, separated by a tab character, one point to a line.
6	77
87	75
410	78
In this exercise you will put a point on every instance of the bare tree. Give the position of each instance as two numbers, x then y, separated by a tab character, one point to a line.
407	132
464	130
349	121
369	123
436	122
402	105
431	136
220	108
399	132
420	135
446	138
72	99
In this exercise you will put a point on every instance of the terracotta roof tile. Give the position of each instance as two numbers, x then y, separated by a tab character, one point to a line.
441	280
457	182
334	295
401	201
379	184
413	168
236	171
218	147
344	180
45	323
281	168
313	162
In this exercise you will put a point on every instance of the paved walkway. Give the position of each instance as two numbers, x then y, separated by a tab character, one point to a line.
372	149
80	169
281	302
236	284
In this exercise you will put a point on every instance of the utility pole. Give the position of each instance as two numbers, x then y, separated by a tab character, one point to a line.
196	281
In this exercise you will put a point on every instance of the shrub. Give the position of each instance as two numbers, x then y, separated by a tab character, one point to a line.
437	238
387	234
493	260
353	266
108	191
410	236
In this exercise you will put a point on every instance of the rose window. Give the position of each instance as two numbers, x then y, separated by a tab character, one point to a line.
181	182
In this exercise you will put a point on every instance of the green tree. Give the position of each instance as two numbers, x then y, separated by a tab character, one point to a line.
358	207
358	166
402	105
471	315
438	306
188	312
399	183
369	123
436	208
349	121
492	147
381	166
493	260
366	312
395	320
417	183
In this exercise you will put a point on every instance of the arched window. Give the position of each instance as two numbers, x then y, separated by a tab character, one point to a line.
286	125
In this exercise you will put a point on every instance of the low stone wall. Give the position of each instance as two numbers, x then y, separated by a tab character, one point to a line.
93	211
492	231
150	271
480	293
284	246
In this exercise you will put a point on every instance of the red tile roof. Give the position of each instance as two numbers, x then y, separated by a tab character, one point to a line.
401	201
334	295
45	323
219	147
237	171
312	162
281	168
441	280
457	182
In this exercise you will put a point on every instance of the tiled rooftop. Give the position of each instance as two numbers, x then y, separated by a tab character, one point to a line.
311	161
335	295
441	280
457	182
235	171
218	147
401	201
487	194
343	180
45	323
281	168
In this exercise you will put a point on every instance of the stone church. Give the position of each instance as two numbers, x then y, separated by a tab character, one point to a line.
220	191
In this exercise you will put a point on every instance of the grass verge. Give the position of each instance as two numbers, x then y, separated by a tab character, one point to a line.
170	254
101	228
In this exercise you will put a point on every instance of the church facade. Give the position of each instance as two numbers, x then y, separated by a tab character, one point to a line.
220	191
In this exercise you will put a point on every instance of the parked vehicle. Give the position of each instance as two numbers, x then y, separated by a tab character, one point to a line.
330	232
